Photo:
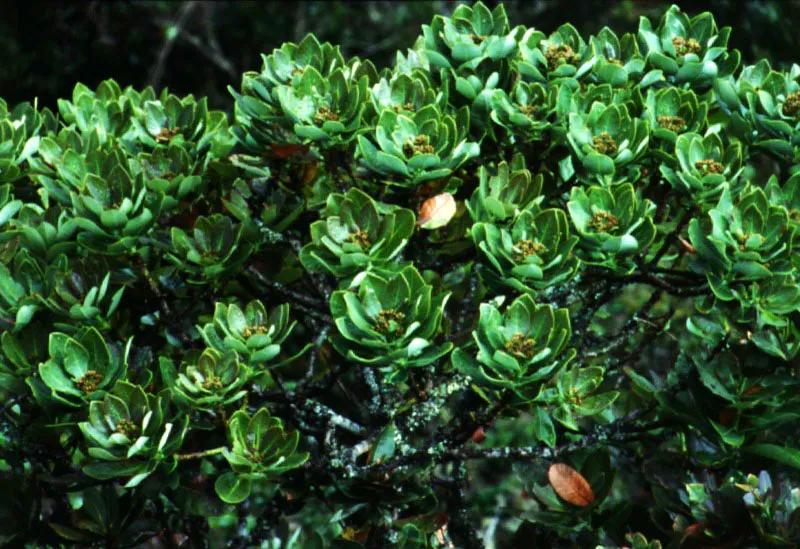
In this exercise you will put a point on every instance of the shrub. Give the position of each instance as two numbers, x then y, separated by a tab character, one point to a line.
520	289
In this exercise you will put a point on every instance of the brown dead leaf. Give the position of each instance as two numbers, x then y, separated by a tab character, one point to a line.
570	485
437	211
479	435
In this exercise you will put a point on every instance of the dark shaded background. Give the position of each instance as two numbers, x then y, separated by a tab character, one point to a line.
46	47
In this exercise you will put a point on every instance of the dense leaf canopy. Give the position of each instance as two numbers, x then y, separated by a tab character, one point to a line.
519	289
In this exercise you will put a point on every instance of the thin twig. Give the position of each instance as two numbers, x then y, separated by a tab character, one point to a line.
313	307
651	279
199	455
214	56
620	431
211	35
169	42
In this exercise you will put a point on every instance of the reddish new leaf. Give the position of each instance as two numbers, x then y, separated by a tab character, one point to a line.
285	151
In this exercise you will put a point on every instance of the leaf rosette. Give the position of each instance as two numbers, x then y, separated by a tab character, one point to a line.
129	434
83	367
357	234
253	332
390	320
525	344
535	252
260	450
424	146
613	224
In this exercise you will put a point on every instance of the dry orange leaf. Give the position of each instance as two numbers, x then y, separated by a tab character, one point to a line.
570	485
437	211
479	435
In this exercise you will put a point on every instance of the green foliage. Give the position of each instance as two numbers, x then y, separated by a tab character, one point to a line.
129	434
215	248
389	321
705	166
323	109
606	140
525	112
563	54
210	382
612	223
260	449
425	146
619	60
535	252
501	197
19	133
355	235
259	108
375	307
672	112
518	347
253	333
105	513
81	369
688	50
